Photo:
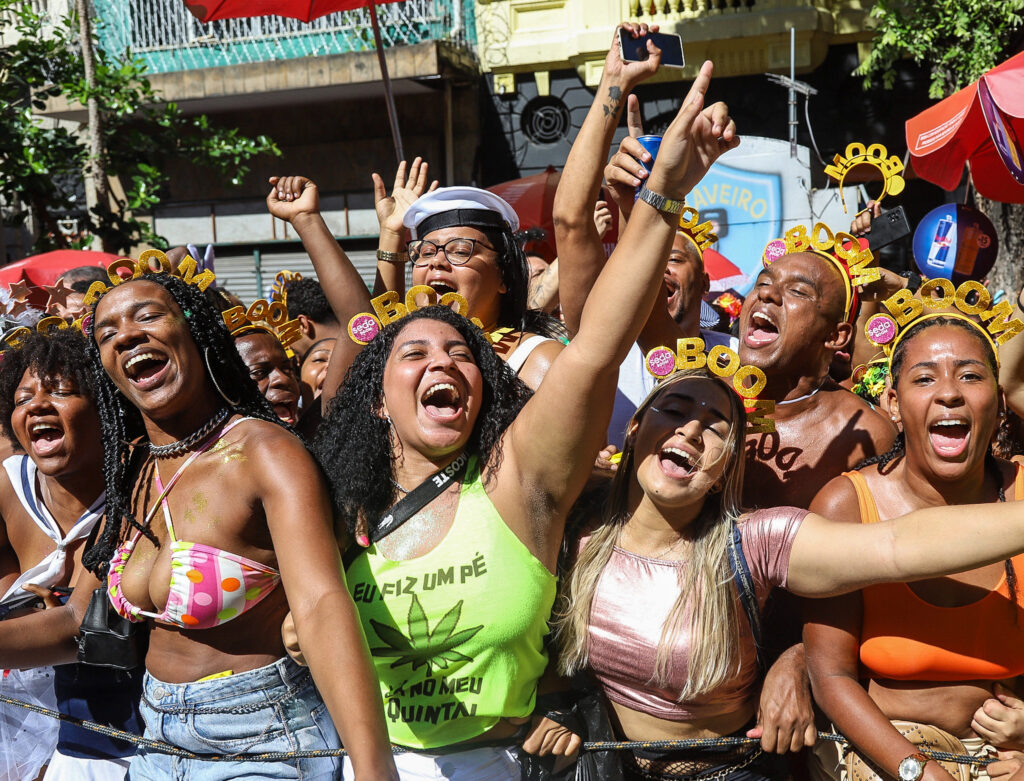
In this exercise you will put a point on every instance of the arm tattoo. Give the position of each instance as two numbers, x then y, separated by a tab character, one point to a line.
611	108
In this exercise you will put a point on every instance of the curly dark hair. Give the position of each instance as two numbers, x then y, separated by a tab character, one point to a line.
121	423
306	297
353	444
61	354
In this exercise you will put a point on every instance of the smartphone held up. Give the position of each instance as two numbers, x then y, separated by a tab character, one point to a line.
635	49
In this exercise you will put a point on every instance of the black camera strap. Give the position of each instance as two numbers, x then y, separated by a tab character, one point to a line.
412	503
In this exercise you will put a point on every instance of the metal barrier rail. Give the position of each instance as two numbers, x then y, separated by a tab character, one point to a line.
280	756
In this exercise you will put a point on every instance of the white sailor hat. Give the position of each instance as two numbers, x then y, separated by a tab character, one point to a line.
466	206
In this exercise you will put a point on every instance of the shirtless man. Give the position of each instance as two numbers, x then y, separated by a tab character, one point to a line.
792	323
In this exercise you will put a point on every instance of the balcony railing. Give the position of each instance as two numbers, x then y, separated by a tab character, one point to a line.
168	38
672	10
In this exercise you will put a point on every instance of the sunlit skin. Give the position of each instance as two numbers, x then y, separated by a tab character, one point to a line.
790	326
285	524
314	370
435	423
694	416
685	280
171	389
59	429
478	280
272	371
945	375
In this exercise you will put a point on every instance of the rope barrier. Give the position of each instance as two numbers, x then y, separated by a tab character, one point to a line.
280	756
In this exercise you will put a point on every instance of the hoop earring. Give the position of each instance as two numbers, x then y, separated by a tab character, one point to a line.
209	370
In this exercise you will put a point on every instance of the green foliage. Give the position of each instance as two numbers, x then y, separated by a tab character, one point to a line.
957	39
43	165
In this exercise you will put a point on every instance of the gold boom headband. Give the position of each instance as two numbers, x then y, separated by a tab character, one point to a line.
699	233
875	156
905	310
15	337
662	362
388	308
279	290
152	261
840	249
264	317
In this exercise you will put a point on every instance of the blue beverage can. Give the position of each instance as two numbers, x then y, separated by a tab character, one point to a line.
652	144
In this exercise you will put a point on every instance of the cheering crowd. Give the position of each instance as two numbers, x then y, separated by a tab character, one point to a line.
461	529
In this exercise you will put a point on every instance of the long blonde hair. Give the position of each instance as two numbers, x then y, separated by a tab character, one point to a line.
704	584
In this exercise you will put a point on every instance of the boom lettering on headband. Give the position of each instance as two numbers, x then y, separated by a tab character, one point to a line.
844	245
151	261
876	156
387	309
940	294
263	315
722	362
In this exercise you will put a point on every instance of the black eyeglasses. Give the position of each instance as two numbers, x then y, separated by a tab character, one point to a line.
457	251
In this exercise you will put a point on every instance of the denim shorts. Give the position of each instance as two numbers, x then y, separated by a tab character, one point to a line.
273	708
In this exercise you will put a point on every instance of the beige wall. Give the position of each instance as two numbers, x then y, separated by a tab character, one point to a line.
742	37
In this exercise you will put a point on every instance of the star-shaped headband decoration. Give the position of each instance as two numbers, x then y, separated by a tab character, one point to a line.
58	294
19	289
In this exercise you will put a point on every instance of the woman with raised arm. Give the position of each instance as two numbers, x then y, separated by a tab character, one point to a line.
672	533
217	523
462	242
456	584
939	663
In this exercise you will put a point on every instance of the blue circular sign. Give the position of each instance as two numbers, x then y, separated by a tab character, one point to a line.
955	242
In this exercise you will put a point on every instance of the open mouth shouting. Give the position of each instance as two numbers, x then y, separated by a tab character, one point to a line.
46	437
442	402
761	330
950	436
441	286
286	407
677	463
144	370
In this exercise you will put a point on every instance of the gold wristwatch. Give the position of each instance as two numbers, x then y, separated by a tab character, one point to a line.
661	202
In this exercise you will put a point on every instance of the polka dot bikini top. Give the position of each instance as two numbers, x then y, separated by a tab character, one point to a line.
209	586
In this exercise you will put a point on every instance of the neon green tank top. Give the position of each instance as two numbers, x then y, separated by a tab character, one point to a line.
457	634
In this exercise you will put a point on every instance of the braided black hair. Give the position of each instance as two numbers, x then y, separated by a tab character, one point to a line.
896	365
898	448
121	422
353	444
51	357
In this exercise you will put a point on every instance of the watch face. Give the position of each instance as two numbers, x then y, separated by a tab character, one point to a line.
910	769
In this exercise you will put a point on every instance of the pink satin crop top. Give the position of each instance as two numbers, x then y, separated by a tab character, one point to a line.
209	586
634	598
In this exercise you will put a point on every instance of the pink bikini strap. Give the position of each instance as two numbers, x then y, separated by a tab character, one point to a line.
161	499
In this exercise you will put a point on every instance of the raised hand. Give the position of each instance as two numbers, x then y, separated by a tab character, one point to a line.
631	73
696	138
391	209
292	196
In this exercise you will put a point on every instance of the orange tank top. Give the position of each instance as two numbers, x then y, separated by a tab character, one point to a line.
904	638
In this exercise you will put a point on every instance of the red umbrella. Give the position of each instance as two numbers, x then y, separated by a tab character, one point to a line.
306	11
44	269
725	275
979	126
532	198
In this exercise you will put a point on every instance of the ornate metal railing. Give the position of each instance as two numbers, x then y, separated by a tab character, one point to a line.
168	38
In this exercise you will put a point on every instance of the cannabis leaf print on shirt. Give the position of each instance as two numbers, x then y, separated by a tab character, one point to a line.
423	647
